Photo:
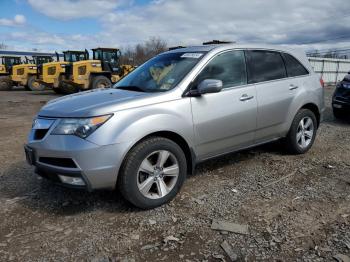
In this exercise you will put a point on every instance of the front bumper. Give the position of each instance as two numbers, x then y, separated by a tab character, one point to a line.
66	156
339	104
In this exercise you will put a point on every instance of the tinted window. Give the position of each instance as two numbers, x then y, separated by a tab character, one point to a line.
293	66
265	66
228	67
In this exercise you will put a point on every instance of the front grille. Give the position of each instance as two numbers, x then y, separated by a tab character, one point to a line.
40	133
60	162
51	70
20	71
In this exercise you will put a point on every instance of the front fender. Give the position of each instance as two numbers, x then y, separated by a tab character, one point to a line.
131	125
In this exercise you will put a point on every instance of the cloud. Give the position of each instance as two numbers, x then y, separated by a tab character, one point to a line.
300	23
69	9
16	21
188	22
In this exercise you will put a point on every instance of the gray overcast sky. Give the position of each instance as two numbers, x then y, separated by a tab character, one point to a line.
62	24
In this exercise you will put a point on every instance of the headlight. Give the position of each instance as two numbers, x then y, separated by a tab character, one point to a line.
96	65
81	127
32	67
63	65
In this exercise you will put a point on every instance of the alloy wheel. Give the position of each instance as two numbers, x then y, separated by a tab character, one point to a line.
158	174
305	132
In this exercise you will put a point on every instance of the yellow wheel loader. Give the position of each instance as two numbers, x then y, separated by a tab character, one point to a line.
7	62
102	71
52	74
26	74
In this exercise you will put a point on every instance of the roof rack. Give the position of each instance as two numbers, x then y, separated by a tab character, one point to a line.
217	42
176	47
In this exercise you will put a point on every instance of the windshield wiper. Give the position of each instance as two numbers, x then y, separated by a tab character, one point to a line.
131	88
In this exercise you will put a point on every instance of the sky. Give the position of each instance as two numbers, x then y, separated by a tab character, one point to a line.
57	25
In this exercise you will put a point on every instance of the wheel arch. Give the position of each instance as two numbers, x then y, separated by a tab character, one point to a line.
313	108
176	138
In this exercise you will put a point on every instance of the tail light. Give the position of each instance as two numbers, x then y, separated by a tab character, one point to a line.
321	82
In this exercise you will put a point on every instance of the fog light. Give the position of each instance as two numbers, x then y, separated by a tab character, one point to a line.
75	181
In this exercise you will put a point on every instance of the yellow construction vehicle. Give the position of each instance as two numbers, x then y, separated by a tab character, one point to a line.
52	74
7	62
26	74
102	71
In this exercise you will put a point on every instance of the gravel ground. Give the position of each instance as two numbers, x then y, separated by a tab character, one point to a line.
297	208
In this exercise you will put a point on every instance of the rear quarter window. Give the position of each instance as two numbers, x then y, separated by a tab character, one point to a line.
293	66
264	66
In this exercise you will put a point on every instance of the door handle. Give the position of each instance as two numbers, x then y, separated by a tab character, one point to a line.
292	87
245	97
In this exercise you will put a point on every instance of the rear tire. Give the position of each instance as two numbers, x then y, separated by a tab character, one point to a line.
302	132
33	85
159	161
101	82
5	83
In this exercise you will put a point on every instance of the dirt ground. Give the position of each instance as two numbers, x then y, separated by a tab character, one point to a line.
297	208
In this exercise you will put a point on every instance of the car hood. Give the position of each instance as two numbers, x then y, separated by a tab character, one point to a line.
90	103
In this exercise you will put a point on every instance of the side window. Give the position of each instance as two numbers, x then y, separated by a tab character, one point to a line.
264	66
293	66
229	67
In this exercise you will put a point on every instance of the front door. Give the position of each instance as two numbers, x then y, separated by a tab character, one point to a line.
224	121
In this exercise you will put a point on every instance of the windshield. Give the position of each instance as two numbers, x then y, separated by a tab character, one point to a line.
111	56
161	73
43	60
74	56
11	61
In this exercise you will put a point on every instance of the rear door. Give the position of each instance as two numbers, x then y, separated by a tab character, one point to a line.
226	120
275	92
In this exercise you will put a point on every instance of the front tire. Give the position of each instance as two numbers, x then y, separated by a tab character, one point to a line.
33	85
101	82
302	133
152	173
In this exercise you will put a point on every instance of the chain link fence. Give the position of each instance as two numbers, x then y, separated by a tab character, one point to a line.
332	70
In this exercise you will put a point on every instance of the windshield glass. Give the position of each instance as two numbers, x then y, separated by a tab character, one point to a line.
11	61
111	56
74	56
43	60
161	73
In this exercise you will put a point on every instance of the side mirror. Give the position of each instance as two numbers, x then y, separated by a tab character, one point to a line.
209	86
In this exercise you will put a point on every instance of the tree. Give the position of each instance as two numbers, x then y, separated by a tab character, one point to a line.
144	51
3	46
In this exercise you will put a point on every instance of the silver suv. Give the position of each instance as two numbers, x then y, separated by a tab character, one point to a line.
144	135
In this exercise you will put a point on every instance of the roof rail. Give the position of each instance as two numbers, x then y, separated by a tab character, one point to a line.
218	42
176	47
